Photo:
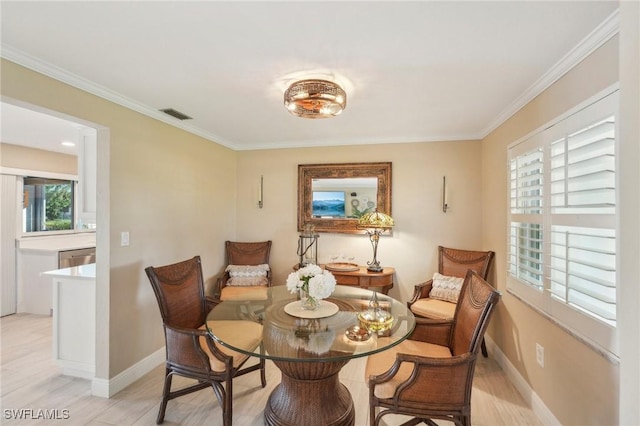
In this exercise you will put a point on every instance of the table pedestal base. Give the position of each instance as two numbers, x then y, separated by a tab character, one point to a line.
310	394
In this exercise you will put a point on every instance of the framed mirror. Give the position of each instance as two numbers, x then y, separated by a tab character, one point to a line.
332	197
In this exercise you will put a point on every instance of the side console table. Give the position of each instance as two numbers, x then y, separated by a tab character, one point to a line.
363	278
366	279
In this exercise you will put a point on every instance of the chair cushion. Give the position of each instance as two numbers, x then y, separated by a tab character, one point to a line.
382	361
446	288
434	308
247	281
248	335
240	293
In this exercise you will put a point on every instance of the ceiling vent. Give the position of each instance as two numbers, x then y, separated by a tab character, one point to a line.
176	114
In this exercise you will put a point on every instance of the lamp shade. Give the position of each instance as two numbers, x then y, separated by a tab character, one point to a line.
375	220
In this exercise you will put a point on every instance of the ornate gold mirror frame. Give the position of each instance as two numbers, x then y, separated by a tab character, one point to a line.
342	173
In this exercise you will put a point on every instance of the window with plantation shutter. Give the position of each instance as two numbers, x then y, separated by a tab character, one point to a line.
583	170
526	191
527	254
562	221
583	270
526	183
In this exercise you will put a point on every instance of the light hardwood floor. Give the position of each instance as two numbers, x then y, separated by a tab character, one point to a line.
29	379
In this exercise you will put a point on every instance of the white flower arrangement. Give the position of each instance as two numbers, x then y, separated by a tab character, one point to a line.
313	280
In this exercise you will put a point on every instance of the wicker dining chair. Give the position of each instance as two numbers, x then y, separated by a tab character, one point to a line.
430	375
451	263
190	351
247	274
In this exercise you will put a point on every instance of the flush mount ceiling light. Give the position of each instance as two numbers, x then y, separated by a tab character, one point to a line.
315	99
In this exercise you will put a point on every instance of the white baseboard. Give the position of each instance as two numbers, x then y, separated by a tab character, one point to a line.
83	373
537	405
106	388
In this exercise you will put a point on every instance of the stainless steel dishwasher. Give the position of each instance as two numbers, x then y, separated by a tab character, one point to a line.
69	258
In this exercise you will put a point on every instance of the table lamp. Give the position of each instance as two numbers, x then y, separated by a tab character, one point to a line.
375	223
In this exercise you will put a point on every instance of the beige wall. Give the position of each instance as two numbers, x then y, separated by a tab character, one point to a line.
172	191
179	195
417	171
579	386
20	157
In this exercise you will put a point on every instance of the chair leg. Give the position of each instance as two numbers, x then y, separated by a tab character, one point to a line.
224	399
483	348
466	420
372	414
227	415
168	375
263	377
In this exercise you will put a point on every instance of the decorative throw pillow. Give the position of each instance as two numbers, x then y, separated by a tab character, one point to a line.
247	281
248	275
446	288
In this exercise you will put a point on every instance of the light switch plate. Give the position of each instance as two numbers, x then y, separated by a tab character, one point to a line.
124	238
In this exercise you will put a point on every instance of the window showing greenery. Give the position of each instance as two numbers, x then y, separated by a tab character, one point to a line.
48	204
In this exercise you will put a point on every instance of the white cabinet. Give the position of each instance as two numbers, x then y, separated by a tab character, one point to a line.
87	179
35	297
74	319
36	255
8	231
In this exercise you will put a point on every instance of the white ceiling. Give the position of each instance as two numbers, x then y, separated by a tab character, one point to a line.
22	126
413	71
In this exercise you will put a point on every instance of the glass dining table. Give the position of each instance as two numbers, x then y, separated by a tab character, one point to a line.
311	347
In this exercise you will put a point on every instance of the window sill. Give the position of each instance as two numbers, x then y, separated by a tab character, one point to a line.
613	359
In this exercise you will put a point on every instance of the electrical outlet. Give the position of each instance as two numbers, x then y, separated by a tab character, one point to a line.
540	354
124	238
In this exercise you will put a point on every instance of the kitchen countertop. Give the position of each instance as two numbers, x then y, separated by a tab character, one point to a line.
75	272
56	243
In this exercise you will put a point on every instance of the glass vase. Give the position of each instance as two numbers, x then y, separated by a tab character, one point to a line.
307	302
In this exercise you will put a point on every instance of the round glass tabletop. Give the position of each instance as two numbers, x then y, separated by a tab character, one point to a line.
330	334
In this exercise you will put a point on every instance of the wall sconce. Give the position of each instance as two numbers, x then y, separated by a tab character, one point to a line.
445	195
375	223
308	246
260	204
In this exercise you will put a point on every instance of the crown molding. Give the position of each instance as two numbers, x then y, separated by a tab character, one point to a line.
600	35
360	141
57	73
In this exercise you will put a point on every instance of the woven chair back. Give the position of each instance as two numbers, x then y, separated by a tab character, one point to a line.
179	289
456	263
247	253
475	304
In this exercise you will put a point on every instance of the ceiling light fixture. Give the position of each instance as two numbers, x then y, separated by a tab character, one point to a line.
315	99
67	143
